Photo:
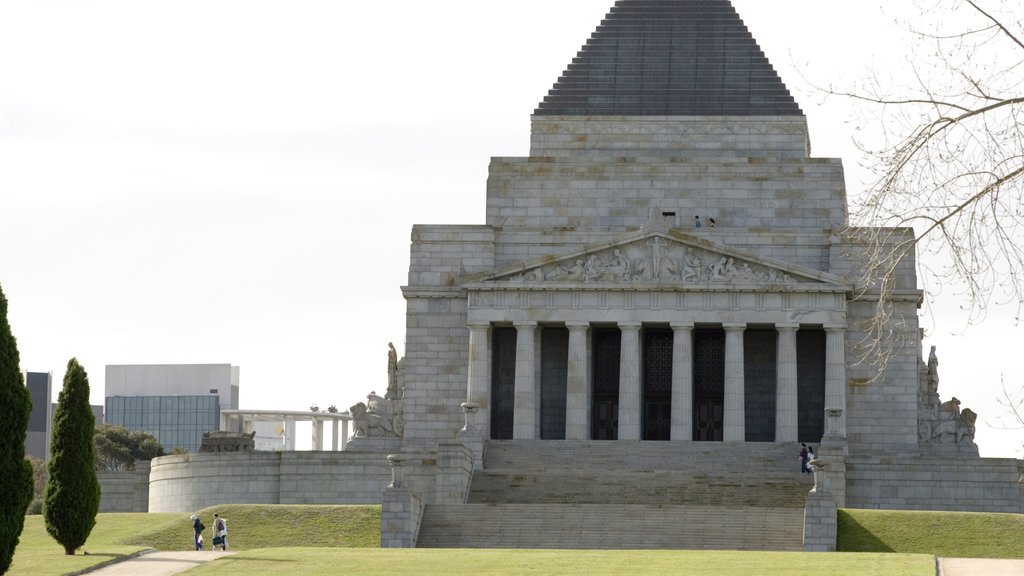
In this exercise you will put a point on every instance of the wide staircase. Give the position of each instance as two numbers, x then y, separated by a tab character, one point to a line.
627	495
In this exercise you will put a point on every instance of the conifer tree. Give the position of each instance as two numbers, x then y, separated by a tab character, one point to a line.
15	470
72	492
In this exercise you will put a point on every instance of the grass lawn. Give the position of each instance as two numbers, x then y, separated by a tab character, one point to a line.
259	526
249	527
467	562
38	554
951	534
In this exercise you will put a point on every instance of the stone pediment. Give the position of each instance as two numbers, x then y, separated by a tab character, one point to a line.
659	258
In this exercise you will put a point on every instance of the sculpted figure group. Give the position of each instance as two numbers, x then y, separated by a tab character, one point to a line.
653	260
942	423
382	416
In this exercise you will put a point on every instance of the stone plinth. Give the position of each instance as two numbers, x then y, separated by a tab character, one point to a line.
400	517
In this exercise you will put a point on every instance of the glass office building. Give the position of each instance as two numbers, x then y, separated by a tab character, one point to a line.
176	421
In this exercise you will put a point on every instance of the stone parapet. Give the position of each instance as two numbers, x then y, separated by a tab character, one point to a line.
820	523
454	473
400	516
188	482
952	482
125	491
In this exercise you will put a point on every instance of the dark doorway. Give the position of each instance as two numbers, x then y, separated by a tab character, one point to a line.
759	381
605	409
657	375
503	382
810	384
554	369
708	383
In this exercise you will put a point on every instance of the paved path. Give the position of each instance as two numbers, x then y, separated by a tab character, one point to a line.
159	563
980	567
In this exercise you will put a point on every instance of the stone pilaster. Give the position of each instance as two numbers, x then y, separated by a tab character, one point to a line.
478	385
786	422
734	425
835	383
524	422
577	398
630	391
682	382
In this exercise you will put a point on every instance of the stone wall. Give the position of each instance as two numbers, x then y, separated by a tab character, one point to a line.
953	482
690	136
125	491
188	482
771	194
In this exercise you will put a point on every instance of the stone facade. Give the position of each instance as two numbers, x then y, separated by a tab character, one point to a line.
664	299
653	271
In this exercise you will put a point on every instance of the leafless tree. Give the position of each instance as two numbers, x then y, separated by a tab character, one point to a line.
948	166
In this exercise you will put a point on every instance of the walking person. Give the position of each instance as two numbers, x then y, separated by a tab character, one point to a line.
220	533
197	531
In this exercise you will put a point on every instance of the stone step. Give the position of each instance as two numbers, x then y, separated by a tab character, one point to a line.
642	487
604	526
707	457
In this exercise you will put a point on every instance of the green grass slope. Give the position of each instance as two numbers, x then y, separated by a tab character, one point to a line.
950	534
265	526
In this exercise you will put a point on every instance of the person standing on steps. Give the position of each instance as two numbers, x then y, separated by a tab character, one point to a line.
810	456
803	458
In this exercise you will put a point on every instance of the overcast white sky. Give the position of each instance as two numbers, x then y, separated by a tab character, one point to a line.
235	181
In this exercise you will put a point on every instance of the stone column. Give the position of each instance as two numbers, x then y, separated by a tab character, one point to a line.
786	423
478	385
344	434
318	434
335	429
630	392
682	382
577	393
735	424
524	421
835	382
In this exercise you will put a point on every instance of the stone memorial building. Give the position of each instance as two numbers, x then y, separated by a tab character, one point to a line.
667	282
662	302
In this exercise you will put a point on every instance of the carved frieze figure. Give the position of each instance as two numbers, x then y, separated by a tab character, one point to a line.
618	268
691	267
590	271
575	272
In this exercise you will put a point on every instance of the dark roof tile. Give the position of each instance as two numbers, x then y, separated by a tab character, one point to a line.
670	58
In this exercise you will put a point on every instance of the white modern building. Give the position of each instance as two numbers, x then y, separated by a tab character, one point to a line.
177	403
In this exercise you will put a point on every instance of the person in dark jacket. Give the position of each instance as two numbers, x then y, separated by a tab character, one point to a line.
197	530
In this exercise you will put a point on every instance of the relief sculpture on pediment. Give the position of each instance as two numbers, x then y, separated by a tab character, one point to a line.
654	260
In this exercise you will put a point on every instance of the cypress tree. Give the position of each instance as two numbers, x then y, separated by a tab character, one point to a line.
72	492
15	470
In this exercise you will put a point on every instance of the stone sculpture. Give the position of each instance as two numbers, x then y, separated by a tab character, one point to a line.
224	441
941	423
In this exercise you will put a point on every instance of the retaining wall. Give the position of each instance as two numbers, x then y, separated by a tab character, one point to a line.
188	482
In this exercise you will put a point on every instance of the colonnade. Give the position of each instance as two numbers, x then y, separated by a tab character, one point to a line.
578	385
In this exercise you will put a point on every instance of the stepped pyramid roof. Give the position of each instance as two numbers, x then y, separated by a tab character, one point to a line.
670	58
